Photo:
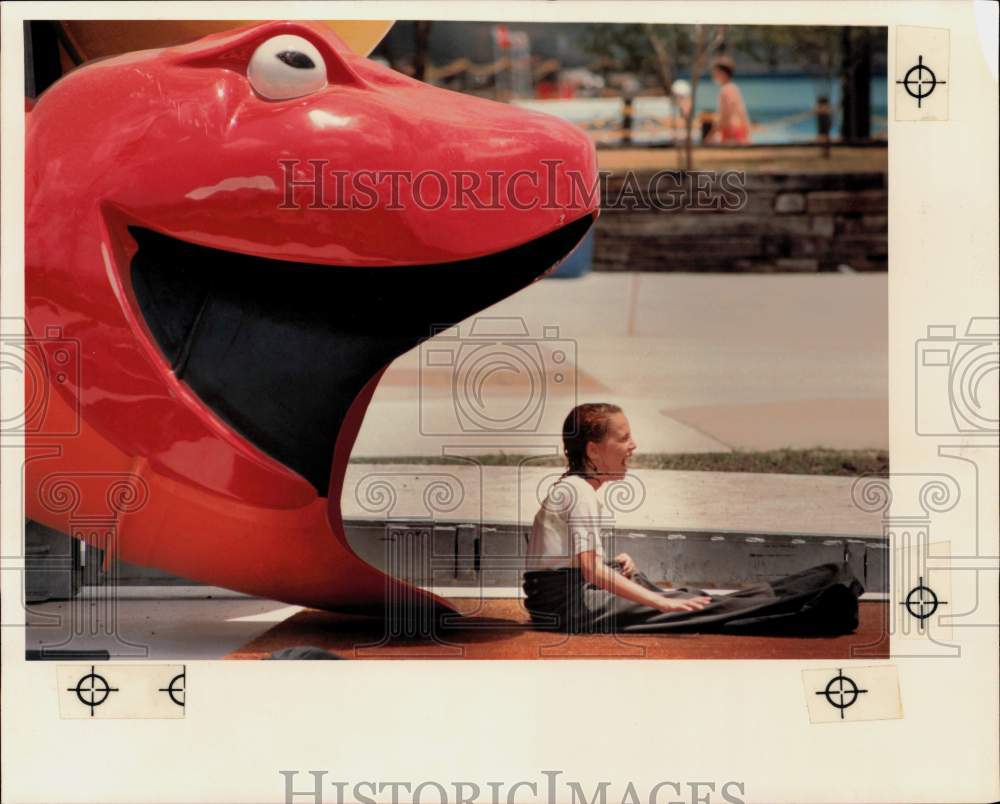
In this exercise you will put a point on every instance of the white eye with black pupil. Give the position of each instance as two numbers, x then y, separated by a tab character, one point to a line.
296	59
286	66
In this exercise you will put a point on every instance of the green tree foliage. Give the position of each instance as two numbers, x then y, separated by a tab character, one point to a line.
813	50
663	51
658	51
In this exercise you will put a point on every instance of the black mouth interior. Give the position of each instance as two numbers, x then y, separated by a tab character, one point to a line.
281	349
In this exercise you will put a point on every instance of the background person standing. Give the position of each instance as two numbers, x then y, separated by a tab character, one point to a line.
733	122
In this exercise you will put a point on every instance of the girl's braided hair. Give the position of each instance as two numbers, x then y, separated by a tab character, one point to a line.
586	423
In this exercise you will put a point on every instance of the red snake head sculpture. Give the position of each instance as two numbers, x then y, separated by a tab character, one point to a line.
227	243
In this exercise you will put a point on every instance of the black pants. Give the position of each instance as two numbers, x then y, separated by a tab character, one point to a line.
820	600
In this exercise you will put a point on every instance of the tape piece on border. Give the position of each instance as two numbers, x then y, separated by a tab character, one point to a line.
847	694
116	691
922	79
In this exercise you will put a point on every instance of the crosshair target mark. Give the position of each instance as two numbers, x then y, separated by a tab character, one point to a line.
95	686
915	78
846	697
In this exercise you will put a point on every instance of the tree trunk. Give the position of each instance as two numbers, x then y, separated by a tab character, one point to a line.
855	83
421	39
42	67
701	52
664	66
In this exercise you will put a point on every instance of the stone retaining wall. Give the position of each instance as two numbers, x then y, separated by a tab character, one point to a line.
802	222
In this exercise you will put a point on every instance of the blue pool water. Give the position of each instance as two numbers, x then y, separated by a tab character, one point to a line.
779	107
771	99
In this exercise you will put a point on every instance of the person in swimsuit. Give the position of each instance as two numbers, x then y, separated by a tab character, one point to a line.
733	123
569	583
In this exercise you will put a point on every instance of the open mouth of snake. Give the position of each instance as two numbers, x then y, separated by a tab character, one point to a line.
279	350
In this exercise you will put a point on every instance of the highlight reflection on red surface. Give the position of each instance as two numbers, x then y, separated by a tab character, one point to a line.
177	142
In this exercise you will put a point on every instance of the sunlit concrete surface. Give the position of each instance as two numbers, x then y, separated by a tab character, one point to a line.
700	362
723	501
166	622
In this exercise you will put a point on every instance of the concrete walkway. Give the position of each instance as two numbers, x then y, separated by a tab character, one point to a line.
153	623
720	501
173	622
700	363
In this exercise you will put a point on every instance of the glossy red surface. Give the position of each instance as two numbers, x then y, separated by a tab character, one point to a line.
177	141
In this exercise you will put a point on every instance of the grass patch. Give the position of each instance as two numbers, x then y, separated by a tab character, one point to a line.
840	462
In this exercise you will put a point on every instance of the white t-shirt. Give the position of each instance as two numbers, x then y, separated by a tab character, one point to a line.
572	520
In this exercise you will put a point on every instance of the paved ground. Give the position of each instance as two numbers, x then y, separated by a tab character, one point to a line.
648	499
498	629
196	623
191	623
701	363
